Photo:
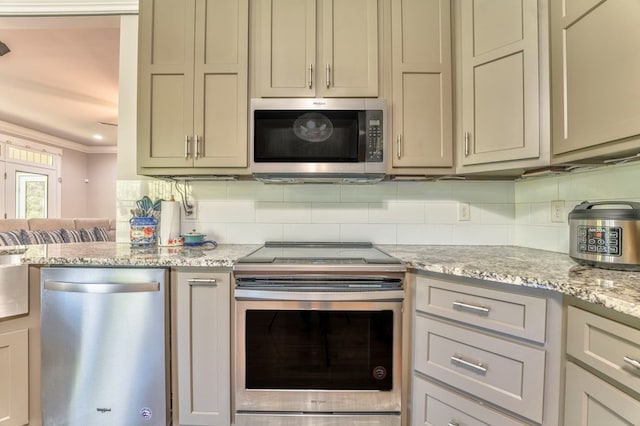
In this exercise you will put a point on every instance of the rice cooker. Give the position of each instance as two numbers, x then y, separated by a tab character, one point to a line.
606	234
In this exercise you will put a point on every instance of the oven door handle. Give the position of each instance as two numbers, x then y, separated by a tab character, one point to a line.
348	296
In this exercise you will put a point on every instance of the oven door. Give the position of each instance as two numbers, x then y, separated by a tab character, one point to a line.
318	351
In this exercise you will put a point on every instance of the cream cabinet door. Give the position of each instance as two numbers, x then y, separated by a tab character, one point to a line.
14	374
500	96
591	401
203	348
221	83
595	64
422	94
323	48
288	48
165	83
349	49
192	83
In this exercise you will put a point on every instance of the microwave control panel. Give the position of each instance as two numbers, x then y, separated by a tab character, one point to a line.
375	151
602	240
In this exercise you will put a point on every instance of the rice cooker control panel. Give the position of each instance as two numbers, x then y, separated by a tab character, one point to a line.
602	240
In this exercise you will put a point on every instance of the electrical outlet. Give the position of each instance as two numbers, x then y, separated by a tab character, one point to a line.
557	211
464	211
194	212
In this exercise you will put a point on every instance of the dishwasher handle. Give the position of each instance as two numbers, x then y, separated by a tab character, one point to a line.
101	288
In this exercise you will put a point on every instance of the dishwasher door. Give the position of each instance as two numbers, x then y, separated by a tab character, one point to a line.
104	346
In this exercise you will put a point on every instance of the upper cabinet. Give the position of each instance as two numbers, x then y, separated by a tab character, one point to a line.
318	48
500	90
422	94
595	64
192	85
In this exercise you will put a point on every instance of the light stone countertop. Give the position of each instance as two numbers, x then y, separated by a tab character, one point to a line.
520	266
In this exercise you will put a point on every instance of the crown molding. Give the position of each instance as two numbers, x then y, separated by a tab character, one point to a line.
10	129
69	7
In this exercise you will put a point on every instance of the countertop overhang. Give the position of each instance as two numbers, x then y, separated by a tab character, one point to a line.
617	290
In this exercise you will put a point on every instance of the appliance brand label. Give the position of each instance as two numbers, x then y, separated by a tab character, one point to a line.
146	413
103	410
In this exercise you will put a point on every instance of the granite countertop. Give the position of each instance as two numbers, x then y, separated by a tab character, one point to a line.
520	266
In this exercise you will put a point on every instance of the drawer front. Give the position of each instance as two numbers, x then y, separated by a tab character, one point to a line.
505	373
591	401
516	314
434	405
608	346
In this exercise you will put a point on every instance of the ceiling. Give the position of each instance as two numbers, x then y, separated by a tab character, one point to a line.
61	76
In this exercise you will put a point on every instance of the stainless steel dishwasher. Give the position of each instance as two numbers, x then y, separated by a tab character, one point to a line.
104	346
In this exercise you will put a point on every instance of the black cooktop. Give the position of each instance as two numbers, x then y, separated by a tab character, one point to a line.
319	253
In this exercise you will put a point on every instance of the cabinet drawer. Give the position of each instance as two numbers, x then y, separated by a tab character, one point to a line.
606	345
436	405
505	373
511	313
591	401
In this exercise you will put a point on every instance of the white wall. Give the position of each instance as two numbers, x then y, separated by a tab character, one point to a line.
101	188
73	188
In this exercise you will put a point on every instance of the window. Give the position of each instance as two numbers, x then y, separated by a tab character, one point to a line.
31	185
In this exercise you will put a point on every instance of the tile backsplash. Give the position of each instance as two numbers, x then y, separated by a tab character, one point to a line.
501	212
249	212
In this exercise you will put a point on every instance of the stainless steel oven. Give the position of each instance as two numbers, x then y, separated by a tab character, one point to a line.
318	336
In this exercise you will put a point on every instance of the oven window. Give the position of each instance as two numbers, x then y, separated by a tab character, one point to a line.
306	136
332	350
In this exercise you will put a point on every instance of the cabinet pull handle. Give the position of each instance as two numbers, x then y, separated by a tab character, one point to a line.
310	76
472	308
479	368
328	77
399	146
632	362
467	136
452	423
202	282
186	147
198	153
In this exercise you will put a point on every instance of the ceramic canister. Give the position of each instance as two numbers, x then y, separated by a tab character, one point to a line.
143	230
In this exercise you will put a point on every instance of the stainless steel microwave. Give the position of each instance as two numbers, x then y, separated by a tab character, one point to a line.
318	140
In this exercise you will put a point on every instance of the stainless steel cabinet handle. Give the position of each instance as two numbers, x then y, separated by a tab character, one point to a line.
202	282
452	424
472	308
467	136
310	76
399	146
198	153
328	76
632	362
186	147
476	367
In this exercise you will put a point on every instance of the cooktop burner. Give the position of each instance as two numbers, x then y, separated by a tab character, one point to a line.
319	253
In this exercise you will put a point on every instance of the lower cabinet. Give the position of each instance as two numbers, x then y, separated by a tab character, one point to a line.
592	401
611	349
202	347
485	353
14	378
434	404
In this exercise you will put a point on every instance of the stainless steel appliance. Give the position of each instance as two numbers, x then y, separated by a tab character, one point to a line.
318	335
104	347
318	140
606	234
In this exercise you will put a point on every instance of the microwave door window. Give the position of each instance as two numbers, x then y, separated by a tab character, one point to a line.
306	136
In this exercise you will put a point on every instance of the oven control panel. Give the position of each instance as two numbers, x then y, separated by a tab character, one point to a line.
602	240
